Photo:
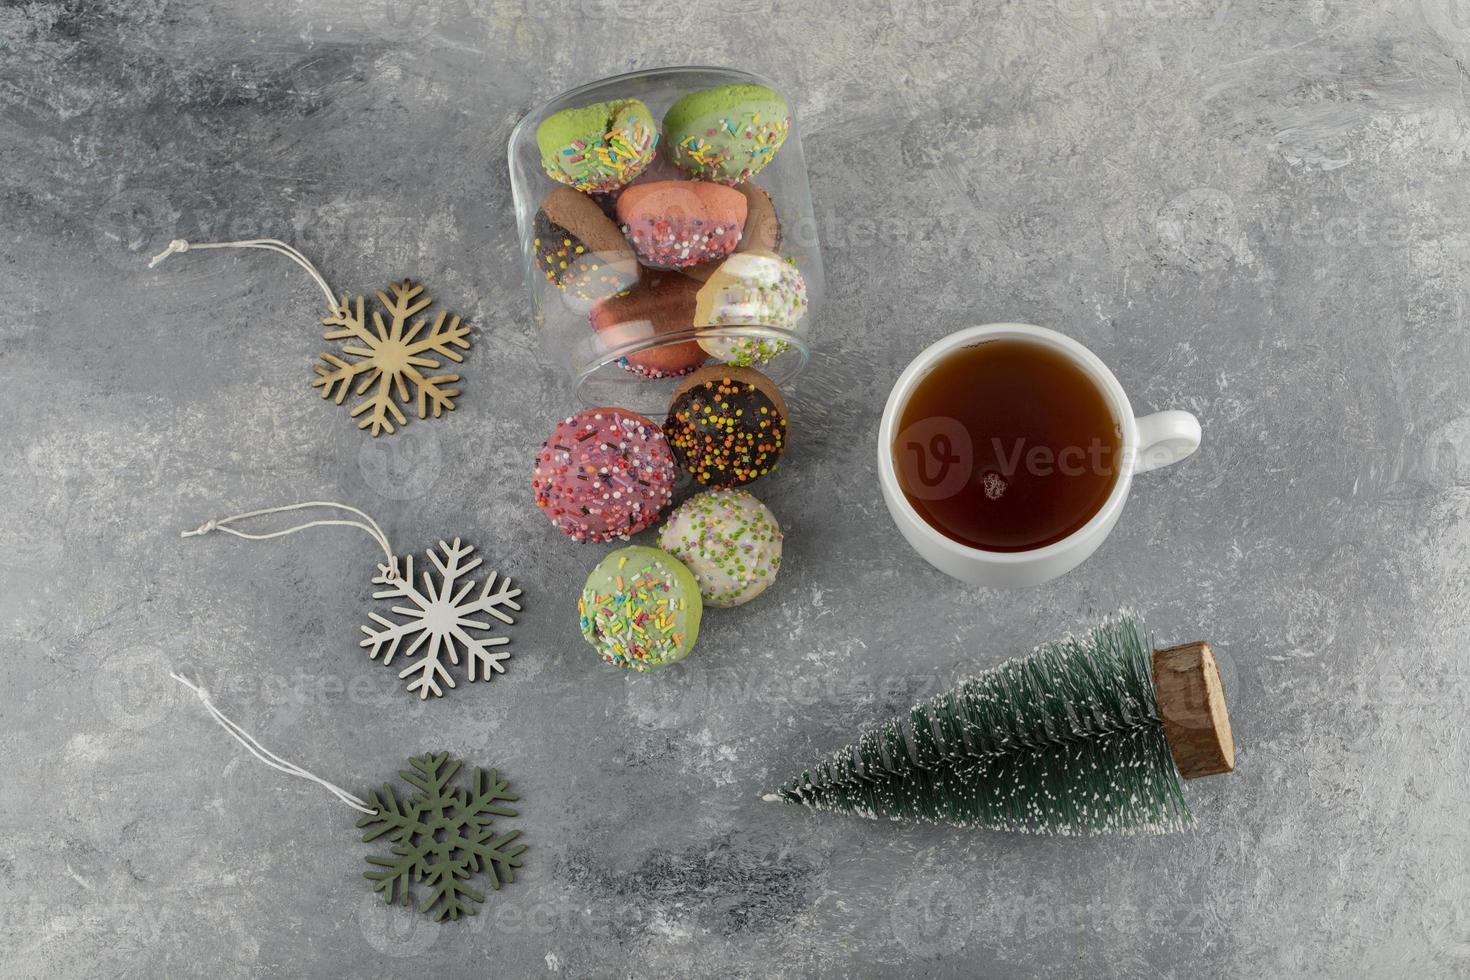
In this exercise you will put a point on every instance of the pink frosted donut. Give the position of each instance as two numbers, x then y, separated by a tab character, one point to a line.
604	473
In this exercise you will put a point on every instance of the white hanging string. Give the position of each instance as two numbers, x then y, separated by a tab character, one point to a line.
265	244
266	755
366	524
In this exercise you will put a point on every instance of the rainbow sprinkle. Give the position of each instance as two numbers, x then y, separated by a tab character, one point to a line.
726	432
635	625
603	473
730	542
733	150
622	153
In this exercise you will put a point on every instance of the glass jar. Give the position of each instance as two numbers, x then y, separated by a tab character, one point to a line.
662	281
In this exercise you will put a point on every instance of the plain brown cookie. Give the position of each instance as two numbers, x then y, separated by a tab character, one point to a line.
580	215
762	228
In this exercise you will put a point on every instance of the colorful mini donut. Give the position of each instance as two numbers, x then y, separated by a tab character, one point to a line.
604	473
597	148
727	425
727	133
640	609
729	540
662	304
678	223
750	289
762	232
580	250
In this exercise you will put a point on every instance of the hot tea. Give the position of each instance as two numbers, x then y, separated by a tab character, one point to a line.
1007	445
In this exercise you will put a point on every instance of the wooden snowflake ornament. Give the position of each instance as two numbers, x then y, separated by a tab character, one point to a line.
441	622
392	357
387	358
442	836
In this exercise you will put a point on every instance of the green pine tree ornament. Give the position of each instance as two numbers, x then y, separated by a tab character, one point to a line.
1082	736
441	837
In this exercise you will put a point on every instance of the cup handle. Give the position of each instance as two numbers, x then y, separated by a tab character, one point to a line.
1165	438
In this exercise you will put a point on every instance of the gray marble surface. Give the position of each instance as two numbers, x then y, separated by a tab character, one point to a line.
1253	210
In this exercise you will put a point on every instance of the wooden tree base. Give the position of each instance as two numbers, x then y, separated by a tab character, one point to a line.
1192	707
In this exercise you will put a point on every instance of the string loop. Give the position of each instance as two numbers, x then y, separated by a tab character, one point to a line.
266	755
366	524
179	245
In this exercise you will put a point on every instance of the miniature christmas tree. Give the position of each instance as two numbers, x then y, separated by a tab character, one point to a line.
1082	736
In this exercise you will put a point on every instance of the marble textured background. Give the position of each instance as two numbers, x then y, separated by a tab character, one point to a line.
1253	209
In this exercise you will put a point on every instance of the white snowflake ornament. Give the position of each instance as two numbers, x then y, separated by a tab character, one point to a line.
441	622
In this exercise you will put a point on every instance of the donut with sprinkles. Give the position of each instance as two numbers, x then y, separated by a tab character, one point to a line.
598	148
640	609
727	425
729	540
604	473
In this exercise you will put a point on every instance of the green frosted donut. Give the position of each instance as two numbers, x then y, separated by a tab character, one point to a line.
641	608
727	133
598	147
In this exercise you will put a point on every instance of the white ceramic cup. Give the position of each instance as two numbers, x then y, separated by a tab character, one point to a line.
1148	443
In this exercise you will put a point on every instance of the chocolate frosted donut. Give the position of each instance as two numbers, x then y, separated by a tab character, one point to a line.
580	250
727	425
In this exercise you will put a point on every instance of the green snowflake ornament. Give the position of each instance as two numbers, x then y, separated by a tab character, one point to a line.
441	837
